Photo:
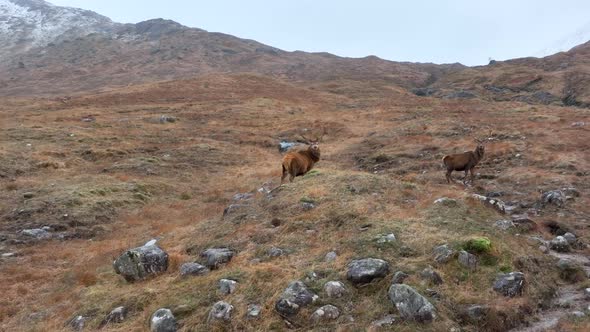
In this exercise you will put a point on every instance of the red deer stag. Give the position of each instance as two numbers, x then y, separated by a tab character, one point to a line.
465	161
299	161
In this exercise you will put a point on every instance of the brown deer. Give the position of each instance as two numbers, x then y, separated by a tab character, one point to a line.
465	161
299	161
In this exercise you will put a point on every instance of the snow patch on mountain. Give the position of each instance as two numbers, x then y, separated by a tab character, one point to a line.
25	24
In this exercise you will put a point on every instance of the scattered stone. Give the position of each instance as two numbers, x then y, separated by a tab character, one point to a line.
232	208
449	202
307	206
139	263
37	233
331	256
509	284
334	289
399	277
385	321
495	194
242	197
167	119
363	271
504	224
253	311
476	312
325	313
217	256
8	255
193	269
385	238
431	276
163	320
494	203
410	304
424	92
560	244
275	252
461	94
221	311
553	197
295	296
578	124
524	223
544	249
227	286
468	260
78	323
28	195
570	238
577	314
117	316
443	254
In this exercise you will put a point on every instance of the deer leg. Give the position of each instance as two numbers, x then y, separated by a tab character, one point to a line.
284	175
448	176
472	175
465	177
291	177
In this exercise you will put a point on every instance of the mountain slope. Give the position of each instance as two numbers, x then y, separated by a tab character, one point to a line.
25	24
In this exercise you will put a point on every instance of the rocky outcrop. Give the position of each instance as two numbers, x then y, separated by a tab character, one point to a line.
510	284
139	263
410	304
295	296
363	271
193	269
214	257
163	321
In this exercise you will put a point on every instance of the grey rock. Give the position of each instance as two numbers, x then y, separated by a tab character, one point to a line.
509	284
477	312
117	316
216	256
399	277
275	252
167	119
163	320
570	238
504	224
560	244
37	233
232	208
242	197
221	311
363	271
8	255
577	314
554	197
468	260
543	249
227	286
307	206
410	304
193	269
325	313
385	321
78	323
253	310
331	256
494	203
385	238
334	289
139	263
424	92
462	94
443	254
28	195
295	296
449	202
431	276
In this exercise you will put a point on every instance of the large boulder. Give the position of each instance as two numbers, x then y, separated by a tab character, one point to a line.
163	321
193	269
509	284
221	311
295	296
334	289
216	256
410	304
363	271
443	254
139	263
560	244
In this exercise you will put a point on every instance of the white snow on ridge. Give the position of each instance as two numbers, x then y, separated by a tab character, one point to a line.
581	36
25	24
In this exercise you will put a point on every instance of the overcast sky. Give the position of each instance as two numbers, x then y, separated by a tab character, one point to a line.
466	31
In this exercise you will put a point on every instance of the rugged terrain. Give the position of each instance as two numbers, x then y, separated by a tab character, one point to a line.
126	137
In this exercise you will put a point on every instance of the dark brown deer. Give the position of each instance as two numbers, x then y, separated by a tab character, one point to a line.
299	161
465	161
